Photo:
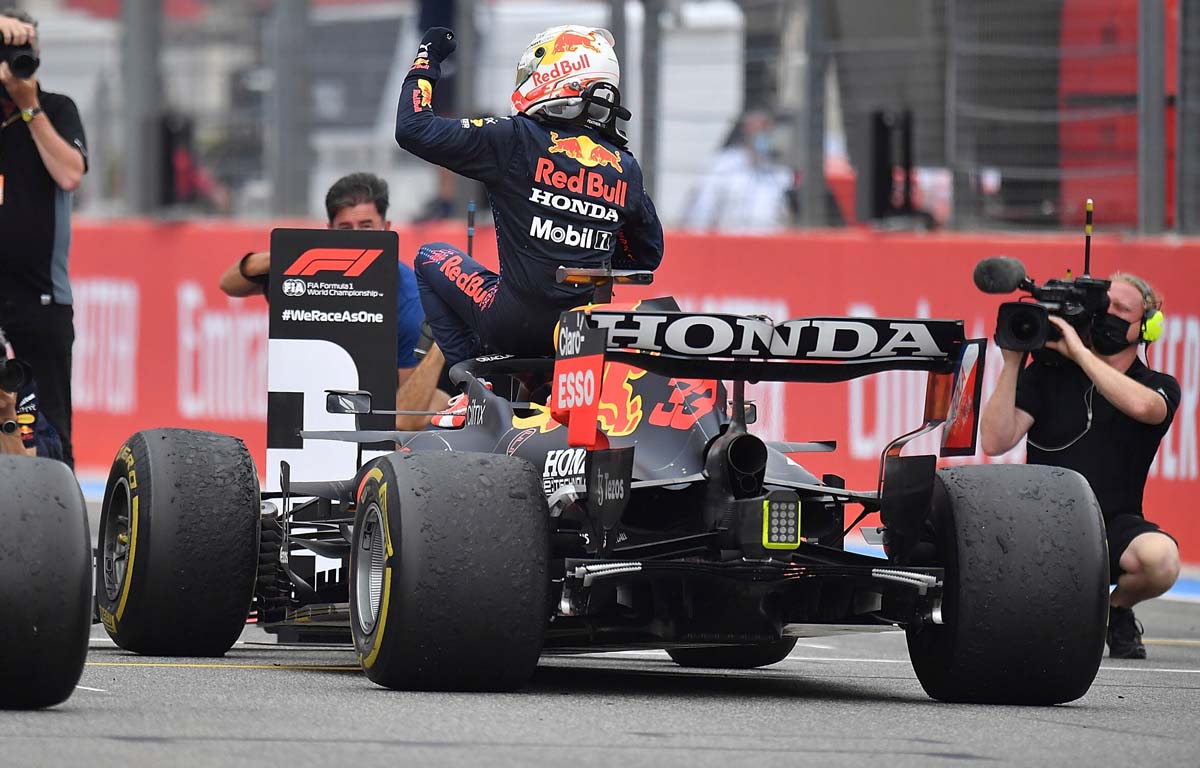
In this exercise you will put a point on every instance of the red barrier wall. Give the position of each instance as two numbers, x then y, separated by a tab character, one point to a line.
159	345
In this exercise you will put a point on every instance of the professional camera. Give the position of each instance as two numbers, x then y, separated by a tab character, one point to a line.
1025	325
13	374
21	59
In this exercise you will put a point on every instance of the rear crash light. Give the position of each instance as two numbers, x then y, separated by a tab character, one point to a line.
781	520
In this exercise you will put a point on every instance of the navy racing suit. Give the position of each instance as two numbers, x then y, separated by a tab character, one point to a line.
560	195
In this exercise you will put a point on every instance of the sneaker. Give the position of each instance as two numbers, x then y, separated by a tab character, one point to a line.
1124	634
454	415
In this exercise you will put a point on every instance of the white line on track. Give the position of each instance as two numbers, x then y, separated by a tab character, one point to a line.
96	690
1149	669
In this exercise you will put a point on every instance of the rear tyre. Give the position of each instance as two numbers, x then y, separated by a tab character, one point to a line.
45	582
733	656
1026	594
178	543
449	571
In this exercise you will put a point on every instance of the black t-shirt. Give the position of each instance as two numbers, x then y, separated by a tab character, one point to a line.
1110	449
35	223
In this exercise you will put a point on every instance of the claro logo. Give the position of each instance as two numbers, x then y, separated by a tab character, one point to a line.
350	262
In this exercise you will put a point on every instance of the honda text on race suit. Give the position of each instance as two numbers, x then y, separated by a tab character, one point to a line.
560	195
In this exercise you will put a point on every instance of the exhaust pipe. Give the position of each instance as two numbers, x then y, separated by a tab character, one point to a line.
746	457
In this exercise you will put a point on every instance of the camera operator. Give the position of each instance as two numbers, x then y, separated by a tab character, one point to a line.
1100	411
43	158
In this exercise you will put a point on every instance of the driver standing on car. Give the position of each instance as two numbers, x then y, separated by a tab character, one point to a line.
1101	412
564	191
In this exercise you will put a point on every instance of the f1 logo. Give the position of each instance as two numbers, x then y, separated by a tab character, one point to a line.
351	262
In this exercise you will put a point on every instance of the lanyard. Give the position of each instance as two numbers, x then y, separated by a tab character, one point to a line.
14	117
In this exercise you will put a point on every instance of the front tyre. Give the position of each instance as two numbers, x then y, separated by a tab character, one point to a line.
449	571
1026	587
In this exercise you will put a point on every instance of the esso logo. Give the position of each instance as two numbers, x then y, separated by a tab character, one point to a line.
575	389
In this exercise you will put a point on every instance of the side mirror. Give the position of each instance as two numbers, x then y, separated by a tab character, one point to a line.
355	401
751	412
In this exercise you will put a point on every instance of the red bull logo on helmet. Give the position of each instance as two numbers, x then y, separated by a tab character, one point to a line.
562	70
585	151
573	41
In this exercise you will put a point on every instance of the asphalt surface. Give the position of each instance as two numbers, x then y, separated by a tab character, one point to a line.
845	700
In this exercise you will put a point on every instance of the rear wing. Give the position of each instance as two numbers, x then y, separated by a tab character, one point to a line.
754	348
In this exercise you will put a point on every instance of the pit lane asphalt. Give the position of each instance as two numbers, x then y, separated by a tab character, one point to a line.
836	701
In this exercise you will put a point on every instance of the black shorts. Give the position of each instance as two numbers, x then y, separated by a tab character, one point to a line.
1122	530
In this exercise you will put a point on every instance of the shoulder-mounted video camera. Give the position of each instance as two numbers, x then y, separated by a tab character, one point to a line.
13	374
1025	325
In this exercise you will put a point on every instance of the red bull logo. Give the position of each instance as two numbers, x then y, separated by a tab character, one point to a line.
423	96
562	70
470	283
585	182
620	409
541	420
571	41
585	151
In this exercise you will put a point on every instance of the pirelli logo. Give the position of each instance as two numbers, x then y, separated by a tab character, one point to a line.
350	262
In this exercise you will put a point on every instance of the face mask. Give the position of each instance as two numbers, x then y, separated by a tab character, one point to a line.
1110	335
762	145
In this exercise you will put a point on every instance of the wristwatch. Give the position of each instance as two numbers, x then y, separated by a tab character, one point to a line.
29	113
8	427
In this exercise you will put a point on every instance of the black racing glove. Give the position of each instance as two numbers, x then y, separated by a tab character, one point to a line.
436	46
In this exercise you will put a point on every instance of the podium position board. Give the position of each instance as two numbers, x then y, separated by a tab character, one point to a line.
332	326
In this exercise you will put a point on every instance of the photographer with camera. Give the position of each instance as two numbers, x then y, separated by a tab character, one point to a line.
1093	406
43	157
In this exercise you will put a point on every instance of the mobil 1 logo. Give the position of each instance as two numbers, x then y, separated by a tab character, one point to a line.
584	238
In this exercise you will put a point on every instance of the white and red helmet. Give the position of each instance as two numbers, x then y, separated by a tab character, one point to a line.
559	66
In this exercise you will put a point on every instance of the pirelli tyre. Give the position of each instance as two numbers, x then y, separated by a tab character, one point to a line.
178	543
45	582
733	656
449	571
1026	587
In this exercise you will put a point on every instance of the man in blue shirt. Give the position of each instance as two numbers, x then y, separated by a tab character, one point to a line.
360	201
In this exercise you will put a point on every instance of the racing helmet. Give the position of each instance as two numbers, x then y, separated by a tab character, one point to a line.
570	73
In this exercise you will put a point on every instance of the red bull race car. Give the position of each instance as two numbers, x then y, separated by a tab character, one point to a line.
616	497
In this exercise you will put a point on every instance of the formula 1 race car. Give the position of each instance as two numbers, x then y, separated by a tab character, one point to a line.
615	497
